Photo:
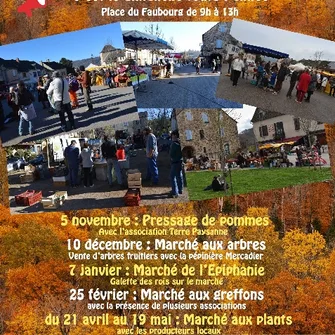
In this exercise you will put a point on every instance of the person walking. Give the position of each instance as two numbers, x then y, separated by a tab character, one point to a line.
59	90
293	82
332	86
71	155
25	99
85	80
230	62
42	94
303	85
73	88
87	161
237	66
152	154
280	79
311	86
108	150
11	100
324	83
176	173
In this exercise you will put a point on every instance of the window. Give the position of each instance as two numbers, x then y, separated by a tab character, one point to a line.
221	116
222	28
221	132
296	123
263	131
24	75
14	73
205	151
202	134
188	135
189	116
279	130
204	117
125	124
219	44
226	149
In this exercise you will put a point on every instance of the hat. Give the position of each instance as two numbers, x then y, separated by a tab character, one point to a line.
46	76
56	74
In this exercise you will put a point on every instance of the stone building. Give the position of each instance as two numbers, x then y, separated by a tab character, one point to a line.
206	132
217	42
110	55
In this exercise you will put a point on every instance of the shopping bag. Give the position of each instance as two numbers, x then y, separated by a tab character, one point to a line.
28	112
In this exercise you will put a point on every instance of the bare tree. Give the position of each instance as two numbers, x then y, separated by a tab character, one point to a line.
309	126
317	57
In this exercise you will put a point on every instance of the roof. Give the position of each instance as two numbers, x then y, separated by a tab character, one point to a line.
261	115
257	50
20	65
54	65
108	48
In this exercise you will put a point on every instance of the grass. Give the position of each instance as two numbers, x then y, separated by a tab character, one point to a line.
254	180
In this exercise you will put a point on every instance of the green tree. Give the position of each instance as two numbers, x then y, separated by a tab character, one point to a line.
68	64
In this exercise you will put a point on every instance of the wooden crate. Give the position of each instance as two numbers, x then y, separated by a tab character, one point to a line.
134	175
135	183
27	178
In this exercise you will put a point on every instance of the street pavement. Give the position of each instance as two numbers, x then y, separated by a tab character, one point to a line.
111	106
185	89
101	195
321	107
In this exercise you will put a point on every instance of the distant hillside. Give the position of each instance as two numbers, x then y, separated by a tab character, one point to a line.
86	62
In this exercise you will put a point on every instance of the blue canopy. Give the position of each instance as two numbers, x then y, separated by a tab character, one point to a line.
134	39
254	49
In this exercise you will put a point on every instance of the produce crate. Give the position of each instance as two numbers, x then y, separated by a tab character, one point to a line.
135	183
132	197
134	175
28	198
54	201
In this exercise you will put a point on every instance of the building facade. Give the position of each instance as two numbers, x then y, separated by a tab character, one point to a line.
110	55
217	42
272	126
206	131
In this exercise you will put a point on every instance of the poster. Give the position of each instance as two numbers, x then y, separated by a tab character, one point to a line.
167	167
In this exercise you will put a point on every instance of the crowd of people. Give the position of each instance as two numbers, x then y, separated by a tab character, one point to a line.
58	94
271	76
113	152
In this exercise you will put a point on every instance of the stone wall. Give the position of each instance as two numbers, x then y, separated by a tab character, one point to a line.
208	138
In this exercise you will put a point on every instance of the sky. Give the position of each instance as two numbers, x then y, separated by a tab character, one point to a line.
76	45
298	46
187	35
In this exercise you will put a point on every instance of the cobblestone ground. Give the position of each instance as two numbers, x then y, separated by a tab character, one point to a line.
321	107
185	89
111	106
101	195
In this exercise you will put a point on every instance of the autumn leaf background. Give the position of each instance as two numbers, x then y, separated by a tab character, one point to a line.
300	254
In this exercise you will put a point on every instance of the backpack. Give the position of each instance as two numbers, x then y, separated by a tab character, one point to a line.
74	85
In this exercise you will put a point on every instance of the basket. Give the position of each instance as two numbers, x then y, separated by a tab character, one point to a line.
28	198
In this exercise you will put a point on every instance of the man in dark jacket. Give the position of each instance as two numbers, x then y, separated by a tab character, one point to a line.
293	82
71	155
280	78
108	149
85	81
176	173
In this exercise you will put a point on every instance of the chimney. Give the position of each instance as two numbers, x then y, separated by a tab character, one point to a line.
17	60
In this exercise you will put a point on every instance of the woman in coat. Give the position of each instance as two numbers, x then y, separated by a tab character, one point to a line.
303	85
